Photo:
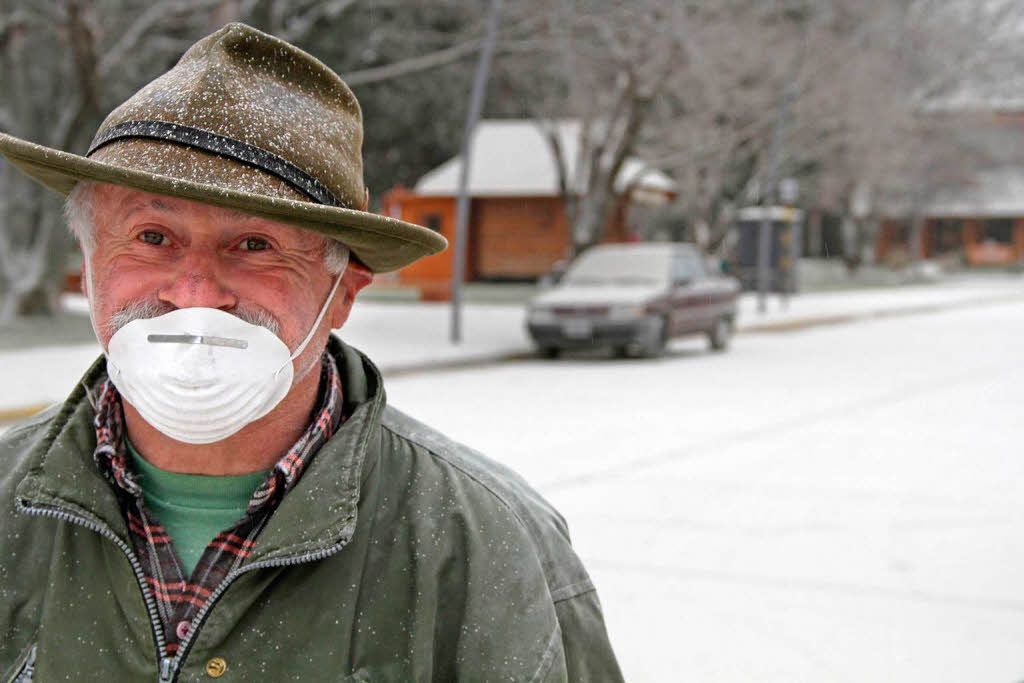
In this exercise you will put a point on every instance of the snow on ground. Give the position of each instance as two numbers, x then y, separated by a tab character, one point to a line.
836	504
399	335
880	301
833	504
403	335
43	375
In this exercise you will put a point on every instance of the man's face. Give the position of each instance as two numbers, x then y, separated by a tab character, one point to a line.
167	253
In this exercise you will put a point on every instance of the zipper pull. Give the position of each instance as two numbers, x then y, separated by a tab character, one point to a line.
166	669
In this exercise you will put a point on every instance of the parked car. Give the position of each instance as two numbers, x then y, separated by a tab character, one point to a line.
634	298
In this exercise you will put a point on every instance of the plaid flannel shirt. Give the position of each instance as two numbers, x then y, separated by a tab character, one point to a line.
178	597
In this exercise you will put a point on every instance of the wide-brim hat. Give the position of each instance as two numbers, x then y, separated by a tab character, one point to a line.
244	121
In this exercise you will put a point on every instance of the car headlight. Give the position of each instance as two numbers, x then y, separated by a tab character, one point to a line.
541	316
627	312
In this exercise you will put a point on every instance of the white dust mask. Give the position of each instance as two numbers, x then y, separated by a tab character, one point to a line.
199	374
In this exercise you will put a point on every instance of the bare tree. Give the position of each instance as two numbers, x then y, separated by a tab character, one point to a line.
864	126
691	88
58	58
70	62
855	127
603	65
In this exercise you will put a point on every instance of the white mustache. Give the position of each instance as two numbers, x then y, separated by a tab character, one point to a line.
143	309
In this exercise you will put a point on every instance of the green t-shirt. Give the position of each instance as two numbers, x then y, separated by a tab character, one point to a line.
194	507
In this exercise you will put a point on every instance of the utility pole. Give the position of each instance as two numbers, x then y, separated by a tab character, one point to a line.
483	69
764	237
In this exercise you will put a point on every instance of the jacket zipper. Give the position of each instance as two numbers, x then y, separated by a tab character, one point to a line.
169	666
25	669
186	645
106	532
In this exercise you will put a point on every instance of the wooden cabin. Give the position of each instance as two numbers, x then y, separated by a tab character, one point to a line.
517	226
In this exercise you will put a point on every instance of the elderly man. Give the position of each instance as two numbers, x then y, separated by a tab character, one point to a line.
226	492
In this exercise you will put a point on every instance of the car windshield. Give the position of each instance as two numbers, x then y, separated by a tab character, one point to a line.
615	266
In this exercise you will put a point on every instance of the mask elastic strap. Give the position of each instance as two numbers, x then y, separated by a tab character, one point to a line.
323	311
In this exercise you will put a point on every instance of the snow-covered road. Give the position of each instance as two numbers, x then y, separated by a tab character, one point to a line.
836	504
840	503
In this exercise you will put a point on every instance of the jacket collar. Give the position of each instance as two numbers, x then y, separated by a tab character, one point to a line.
317	514
320	511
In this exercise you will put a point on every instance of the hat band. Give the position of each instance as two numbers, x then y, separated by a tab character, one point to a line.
224	146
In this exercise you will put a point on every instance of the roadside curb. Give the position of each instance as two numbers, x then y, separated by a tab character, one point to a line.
809	322
9	415
403	370
397	370
792	325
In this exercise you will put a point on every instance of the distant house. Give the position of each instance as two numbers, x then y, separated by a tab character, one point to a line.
517	224
980	223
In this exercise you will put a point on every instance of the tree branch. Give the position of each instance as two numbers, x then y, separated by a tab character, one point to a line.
49	12
141	26
450	55
413	65
298	27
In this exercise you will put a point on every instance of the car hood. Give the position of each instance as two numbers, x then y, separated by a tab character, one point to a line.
613	295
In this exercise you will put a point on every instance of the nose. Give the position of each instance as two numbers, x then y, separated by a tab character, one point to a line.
195	283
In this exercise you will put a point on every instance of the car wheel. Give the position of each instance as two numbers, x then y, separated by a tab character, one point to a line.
655	347
719	335
548	351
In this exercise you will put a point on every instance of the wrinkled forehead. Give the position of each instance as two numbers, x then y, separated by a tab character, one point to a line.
116	205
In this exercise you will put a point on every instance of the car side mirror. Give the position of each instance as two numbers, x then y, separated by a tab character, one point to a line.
555	275
551	278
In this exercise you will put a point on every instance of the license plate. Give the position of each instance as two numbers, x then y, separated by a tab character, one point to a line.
577	329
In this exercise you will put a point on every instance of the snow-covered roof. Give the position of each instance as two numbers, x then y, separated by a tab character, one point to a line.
513	158
995	192
978	98
996	88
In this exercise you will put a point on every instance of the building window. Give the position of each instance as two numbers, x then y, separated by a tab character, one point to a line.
998	230
947	235
899	233
432	221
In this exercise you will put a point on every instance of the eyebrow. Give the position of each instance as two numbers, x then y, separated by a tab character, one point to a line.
161	205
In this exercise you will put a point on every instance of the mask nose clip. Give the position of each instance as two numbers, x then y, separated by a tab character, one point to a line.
204	339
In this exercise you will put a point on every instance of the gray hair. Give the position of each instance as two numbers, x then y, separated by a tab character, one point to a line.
80	214
336	256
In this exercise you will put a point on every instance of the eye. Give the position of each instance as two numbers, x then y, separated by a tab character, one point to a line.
254	244
153	237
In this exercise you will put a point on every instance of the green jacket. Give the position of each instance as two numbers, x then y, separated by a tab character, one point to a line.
399	556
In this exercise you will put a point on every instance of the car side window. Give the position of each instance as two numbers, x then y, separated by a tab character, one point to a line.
686	267
699	269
